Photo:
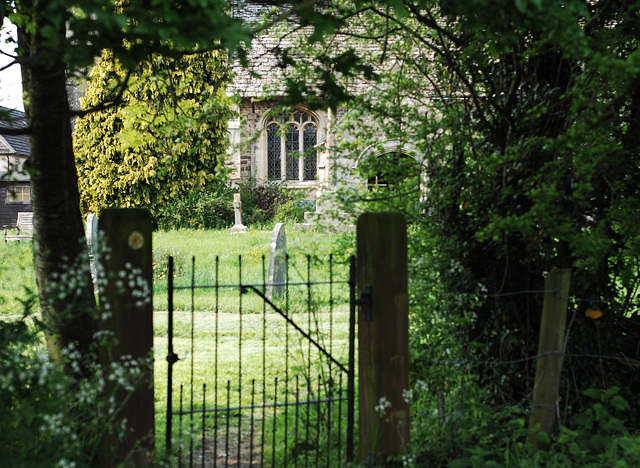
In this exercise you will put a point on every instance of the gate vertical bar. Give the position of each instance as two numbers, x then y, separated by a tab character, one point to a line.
171	357
352	353
242	291
204	435
215	367
181	413
193	327
329	388
309	379
286	365
264	360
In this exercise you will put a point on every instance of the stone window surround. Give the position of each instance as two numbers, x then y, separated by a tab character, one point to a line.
261	145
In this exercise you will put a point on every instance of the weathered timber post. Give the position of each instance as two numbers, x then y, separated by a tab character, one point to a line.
127	312
550	347
383	334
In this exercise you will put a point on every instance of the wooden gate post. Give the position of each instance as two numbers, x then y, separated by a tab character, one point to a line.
383	335
127	310
550	345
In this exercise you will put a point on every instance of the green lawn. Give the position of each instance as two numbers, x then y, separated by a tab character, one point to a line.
17	278
219	256
262	329
17	274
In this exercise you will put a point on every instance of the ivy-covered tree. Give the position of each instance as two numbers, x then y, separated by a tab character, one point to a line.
167	138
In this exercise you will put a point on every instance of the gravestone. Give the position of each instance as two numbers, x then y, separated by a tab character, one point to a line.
277	272
92	243
238	227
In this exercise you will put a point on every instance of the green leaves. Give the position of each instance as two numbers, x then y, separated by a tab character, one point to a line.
522	5
134	32
167	138
399	8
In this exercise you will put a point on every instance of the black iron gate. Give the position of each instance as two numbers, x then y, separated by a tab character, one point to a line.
255	380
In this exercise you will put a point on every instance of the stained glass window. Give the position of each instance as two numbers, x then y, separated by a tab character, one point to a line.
294	142
274	146
309	141
292	149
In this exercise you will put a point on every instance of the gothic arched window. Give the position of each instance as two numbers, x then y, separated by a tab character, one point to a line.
291	152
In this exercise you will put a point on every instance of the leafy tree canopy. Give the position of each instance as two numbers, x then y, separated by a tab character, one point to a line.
168	137
56	41
132	29
524	118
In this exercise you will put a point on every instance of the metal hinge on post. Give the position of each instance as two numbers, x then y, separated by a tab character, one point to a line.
365	302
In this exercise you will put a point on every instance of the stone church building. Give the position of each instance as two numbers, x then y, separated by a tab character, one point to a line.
293	148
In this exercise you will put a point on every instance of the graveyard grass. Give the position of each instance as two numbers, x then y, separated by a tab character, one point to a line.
228	251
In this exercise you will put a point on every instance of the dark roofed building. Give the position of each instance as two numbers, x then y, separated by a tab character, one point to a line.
15	184
17	144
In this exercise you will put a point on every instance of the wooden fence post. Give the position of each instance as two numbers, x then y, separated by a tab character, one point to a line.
383	334
127	310
550	346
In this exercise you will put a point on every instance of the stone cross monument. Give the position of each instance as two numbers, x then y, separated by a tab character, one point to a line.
238	227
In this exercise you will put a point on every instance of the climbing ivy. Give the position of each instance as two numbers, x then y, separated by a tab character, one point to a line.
167	138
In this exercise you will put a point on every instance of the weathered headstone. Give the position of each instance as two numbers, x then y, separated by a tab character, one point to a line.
92	243
238	227
277	273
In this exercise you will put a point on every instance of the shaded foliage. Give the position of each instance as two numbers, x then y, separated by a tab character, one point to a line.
523	119
262	205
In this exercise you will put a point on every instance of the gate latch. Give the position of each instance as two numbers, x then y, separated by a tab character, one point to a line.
365	301
172	358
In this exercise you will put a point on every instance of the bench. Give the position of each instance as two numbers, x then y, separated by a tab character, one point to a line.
24	228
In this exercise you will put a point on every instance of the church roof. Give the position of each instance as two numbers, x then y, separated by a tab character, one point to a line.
264	77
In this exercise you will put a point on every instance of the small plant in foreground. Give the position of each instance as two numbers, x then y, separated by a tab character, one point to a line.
57	413
596	437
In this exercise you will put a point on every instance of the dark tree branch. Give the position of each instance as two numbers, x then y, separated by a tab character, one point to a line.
106	105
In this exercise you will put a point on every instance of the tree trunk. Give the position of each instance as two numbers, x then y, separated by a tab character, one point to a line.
60	254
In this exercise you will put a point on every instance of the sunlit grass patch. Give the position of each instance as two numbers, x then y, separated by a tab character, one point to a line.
231	259
17	276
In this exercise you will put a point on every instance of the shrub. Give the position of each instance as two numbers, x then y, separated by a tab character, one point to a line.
495	437
199	210
262	204
48	417
293	211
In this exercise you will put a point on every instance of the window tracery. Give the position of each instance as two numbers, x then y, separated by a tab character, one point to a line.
291	146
